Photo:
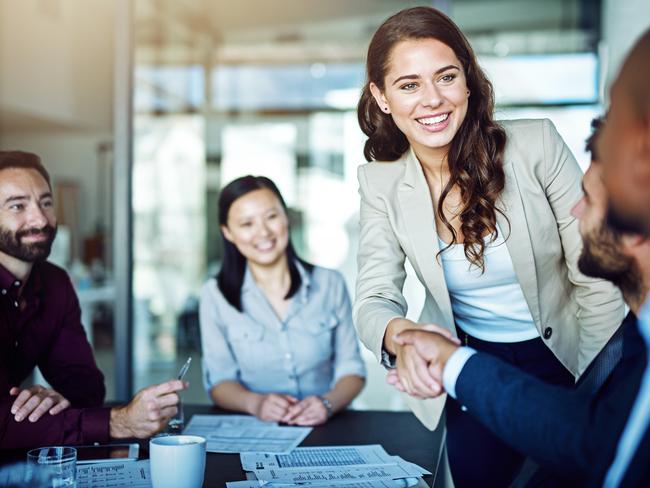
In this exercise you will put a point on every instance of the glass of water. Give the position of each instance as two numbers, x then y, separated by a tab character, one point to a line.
59	464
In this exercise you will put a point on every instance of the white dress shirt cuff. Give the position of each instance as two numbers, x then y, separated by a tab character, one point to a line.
454	366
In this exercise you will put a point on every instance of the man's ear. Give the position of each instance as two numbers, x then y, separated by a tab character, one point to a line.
379	98
634	241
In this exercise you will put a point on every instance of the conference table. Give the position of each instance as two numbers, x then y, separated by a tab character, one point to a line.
400	433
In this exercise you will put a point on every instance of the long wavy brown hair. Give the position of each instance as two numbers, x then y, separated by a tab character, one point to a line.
475	156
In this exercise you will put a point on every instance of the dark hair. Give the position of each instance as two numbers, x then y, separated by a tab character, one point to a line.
23	160
231	275
476	154
590	143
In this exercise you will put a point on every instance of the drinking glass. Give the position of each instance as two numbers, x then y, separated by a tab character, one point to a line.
59	464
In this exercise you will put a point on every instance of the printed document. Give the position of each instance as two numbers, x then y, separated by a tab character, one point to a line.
303	457
331	466
403	483
134	474
339	475
243	433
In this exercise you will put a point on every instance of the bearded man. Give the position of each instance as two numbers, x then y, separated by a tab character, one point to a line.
572	434
40	325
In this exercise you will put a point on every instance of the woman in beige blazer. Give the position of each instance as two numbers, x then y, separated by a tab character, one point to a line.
447	186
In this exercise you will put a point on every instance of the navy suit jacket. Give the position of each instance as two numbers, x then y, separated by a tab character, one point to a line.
638	472
574	434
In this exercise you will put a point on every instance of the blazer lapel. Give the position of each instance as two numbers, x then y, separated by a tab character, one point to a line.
417	212
515	231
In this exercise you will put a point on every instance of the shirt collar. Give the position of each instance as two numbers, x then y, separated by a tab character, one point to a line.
8	280
34	282
306	282
249	282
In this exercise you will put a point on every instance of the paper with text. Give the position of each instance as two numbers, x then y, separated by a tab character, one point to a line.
134	474
317	457
403	483
338	475
241	433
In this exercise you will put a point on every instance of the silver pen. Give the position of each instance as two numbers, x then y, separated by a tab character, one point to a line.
185	368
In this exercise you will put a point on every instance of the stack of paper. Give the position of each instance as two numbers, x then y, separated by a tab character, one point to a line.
243	433
351	466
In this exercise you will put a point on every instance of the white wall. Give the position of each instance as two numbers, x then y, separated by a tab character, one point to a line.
56	60
56	91
623	22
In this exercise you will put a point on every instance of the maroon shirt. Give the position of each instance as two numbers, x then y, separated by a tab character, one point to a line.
43	328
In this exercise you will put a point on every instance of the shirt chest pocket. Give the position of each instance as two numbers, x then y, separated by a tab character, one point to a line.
247	343
318	337
246	333
322	325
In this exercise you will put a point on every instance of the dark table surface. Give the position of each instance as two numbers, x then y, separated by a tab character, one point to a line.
400	433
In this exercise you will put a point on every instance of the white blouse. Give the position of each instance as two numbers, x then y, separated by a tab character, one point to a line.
490	305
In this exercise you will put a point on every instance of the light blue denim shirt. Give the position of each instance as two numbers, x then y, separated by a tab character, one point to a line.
304	354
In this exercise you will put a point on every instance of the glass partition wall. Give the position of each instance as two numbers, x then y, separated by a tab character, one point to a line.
218	95
214	101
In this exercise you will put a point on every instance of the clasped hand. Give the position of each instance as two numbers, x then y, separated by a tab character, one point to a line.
421	355
288	409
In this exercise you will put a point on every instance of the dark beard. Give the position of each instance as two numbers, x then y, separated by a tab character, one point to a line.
12	244
601	257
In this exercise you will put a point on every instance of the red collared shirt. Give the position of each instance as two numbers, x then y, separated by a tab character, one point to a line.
43	328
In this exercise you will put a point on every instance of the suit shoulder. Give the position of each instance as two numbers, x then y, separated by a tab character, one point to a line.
529	139
382	176
518	129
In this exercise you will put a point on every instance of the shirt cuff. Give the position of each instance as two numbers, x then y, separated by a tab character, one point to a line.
454	366
387	359
96	424
349	368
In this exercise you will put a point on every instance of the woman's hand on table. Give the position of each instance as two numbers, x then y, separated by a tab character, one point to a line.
33	402
273	407
310	411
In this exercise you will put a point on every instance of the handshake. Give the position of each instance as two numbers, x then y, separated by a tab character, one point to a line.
421	353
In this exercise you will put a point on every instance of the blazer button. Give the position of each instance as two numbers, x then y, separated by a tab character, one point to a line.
548	332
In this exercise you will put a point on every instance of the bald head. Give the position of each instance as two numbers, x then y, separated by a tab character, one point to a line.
624	145
635	74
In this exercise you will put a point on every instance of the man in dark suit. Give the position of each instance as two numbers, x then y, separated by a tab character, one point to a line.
572	433
625	148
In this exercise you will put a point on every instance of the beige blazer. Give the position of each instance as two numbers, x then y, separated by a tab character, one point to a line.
542	183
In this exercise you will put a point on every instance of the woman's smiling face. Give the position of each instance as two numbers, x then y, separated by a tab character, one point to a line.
258	226
425	91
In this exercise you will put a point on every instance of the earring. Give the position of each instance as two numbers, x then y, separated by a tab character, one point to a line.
385	109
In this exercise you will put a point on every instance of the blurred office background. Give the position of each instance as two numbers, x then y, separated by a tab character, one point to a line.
143	109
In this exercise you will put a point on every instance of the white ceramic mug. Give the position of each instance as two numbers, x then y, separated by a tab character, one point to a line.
177	461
